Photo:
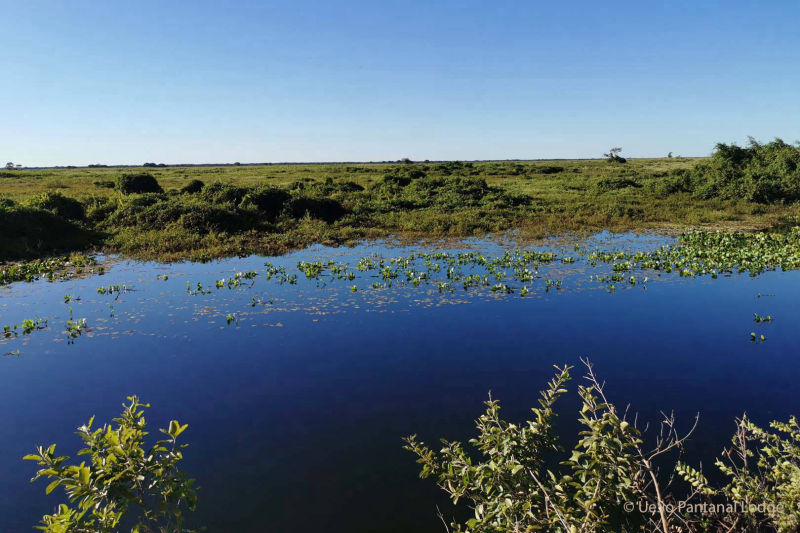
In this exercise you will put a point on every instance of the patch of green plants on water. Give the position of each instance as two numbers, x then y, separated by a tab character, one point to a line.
235	281
116	290
761	319
713	254
121	481
695	254
197	290
61	267
28	326
618	477
74	327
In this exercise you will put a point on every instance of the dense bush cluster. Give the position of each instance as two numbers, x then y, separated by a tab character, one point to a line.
58	204
30	231
138	183
518	476
762	173
414	189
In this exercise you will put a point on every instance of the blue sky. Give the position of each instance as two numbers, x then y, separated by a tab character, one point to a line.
212	81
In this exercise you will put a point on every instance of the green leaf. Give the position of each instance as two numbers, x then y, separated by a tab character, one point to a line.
51	487
83	475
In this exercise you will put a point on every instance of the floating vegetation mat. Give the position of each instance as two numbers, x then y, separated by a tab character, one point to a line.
388	279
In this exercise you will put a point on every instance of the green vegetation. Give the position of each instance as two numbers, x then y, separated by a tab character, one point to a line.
124	482
28	326
138	184
764	173
616	478
52	268
175	213
694	254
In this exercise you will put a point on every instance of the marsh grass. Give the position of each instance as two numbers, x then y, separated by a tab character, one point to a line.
208	212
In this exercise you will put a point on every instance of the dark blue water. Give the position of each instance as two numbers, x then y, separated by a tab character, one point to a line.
296	410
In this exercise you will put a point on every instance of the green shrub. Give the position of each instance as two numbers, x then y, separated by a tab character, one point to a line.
456	167
326	209
223	193
548	169
99	209
267	200
518	478
193	187
616	183
123	482
146	211
138	184
449	192
331	187
30	232
104	184
763	173
401	176
204	218
680	180
58	204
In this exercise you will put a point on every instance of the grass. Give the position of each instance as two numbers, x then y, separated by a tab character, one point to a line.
274	208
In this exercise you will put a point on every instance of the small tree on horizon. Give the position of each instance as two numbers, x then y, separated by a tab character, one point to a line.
613	156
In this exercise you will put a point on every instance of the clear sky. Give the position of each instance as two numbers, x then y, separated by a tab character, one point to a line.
222	81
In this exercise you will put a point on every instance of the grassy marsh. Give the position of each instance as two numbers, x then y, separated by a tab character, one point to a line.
275	208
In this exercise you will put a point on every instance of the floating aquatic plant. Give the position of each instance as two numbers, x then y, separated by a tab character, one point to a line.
760	319
28	326
53	268
75	328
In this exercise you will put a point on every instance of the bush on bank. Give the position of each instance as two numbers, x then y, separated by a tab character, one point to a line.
762	173
615	478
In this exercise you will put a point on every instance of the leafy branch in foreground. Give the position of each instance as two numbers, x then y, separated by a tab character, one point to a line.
122	480
613	480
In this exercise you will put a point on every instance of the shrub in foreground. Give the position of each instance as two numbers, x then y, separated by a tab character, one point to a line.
123	479
612	480
30	232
